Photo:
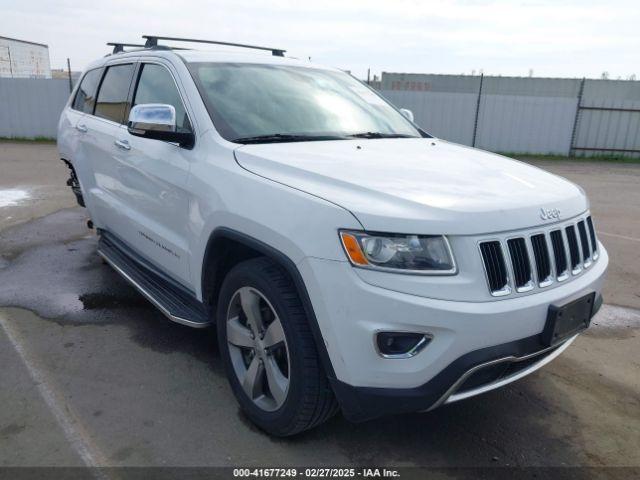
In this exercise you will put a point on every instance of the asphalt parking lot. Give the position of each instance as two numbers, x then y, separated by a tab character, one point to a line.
92	374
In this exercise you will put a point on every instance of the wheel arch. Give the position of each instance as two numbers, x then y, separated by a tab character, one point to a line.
226	247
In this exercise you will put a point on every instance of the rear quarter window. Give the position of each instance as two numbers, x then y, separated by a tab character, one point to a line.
85	98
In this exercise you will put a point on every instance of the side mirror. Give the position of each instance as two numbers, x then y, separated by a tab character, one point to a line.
157	121
407	113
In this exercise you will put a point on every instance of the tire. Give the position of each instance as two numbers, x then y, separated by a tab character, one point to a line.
309	401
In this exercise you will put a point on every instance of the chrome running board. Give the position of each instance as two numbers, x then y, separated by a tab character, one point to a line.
173	301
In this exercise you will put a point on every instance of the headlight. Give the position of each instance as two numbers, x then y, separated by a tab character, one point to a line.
420	254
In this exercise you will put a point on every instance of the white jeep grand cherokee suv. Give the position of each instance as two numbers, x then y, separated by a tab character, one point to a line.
348	259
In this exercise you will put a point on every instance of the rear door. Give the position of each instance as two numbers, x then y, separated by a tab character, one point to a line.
152	178
99	145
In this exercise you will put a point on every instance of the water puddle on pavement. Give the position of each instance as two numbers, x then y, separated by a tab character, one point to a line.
13	196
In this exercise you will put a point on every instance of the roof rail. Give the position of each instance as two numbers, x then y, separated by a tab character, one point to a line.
119	47
152	42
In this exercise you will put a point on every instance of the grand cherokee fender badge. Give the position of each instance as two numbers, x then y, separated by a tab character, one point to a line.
549	213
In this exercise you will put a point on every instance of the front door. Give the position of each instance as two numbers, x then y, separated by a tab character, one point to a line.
152	177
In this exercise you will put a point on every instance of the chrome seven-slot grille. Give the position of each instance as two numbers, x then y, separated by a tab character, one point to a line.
523	262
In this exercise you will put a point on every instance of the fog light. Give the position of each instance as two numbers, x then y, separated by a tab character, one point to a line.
401	344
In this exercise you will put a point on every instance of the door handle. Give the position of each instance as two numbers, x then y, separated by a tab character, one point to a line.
124	144
81	127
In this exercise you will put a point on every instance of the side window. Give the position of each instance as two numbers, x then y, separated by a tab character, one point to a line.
156	85
113	94
86	95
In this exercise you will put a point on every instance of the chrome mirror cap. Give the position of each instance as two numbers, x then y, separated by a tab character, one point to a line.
155	117
157	121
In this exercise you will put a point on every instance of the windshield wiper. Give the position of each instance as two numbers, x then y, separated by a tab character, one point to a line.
380	135
285	137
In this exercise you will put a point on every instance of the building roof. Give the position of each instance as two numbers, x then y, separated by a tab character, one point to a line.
24	41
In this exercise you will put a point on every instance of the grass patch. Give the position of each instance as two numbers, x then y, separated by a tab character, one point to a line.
27	140
594	158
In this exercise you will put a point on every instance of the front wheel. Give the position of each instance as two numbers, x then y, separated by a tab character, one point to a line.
269	352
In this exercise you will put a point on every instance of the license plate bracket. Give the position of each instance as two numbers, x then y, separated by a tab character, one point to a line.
566	320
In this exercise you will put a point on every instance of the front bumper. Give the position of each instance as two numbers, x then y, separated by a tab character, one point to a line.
365	403
466	335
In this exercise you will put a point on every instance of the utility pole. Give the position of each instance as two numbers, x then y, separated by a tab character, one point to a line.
69	72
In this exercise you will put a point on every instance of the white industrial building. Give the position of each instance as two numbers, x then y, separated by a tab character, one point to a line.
22	59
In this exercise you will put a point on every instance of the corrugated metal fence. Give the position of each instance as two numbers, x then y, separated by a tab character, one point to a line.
524	115
31	107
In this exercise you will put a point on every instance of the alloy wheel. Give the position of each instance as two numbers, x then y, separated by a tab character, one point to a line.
258	348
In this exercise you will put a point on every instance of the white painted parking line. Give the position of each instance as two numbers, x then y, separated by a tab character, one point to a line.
71	427
615	235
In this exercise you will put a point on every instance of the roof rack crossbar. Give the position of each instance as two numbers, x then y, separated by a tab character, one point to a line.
119	47
152	41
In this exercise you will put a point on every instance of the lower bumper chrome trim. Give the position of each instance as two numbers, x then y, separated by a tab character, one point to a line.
450	396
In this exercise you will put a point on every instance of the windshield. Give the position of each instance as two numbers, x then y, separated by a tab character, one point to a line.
265	103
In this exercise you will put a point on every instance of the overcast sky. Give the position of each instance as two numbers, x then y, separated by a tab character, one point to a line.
553	38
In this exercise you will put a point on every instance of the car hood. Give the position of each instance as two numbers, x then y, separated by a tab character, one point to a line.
418	186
